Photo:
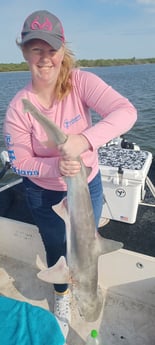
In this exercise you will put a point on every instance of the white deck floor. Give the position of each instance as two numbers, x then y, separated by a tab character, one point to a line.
127	280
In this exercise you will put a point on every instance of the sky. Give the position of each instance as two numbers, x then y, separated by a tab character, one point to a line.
94	29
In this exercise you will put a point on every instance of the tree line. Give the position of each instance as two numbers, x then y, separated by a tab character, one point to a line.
12	67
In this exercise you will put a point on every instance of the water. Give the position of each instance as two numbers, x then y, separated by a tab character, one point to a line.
136	82
10	84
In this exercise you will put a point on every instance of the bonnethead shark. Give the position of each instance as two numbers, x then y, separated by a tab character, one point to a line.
84	243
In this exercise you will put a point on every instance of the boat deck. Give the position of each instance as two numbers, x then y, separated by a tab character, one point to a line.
127	277
127	280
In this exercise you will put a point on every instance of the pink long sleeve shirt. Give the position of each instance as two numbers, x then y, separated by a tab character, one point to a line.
26	139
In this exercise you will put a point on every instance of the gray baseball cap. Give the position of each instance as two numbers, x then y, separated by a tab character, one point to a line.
45	26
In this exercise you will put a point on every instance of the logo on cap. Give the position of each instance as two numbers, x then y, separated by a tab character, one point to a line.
35	25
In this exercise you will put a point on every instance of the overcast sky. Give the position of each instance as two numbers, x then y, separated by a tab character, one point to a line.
94	29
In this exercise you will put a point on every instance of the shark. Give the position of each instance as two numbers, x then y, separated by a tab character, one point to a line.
84	243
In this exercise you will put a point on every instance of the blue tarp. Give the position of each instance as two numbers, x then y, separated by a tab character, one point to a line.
24	324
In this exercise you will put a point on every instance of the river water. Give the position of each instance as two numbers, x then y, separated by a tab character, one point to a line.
136	82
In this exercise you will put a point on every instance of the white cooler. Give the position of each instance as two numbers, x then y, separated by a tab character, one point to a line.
123	174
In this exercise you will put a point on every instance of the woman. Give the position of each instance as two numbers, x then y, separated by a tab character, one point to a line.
65	95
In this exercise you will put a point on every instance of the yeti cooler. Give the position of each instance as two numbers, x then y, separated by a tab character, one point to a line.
123	173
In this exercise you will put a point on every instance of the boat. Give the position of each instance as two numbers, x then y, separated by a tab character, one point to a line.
126	276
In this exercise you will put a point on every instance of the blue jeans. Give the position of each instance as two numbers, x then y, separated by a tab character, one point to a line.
51	226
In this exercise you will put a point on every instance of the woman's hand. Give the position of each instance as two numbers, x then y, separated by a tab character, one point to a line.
74	146
69	167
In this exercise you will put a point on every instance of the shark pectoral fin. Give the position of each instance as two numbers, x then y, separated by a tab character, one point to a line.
61	209
107	246
57	274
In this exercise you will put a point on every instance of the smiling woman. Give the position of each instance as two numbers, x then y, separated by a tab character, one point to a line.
44	63
43	47
64	95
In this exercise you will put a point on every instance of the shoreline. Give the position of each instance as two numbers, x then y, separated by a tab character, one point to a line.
82	63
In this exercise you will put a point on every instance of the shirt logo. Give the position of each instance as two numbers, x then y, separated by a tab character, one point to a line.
68	123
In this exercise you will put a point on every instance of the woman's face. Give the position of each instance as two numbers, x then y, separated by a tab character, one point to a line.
44	62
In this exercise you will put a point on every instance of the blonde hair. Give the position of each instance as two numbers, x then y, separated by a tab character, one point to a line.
64	83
